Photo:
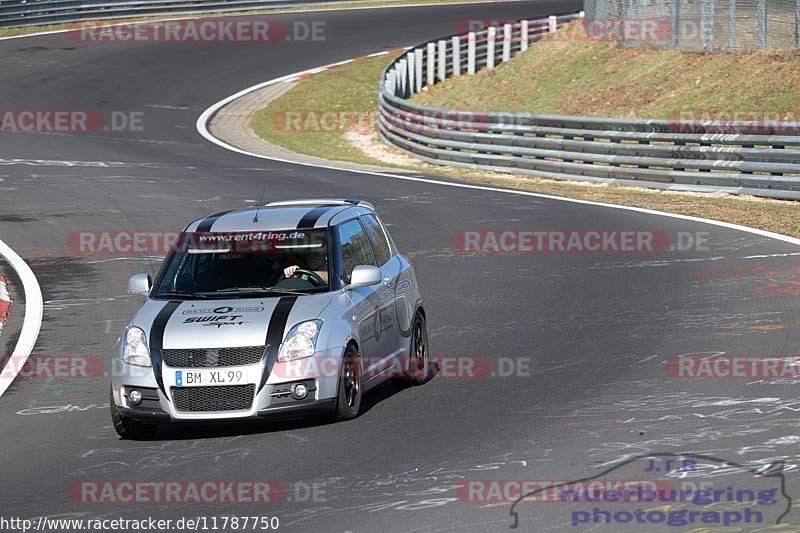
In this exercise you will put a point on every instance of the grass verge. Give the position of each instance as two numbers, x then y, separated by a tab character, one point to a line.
351	91
570	74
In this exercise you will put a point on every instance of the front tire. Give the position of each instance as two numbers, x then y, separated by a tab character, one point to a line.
127	428
348	403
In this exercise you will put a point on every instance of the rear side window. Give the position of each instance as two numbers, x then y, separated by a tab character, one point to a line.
377	238
356	249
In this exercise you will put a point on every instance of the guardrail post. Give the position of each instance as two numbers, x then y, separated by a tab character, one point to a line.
390	84
490	38
552	24
761	21
442	60
471	52
506	42
418	59
457	55
412	81
402	78
523	30
431	63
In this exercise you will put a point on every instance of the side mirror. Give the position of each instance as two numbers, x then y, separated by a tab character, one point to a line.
364	276
140	284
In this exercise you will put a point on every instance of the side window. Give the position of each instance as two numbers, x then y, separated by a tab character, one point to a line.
377	238
355	248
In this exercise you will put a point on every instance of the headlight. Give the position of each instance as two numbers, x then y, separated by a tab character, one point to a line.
134	349
301	341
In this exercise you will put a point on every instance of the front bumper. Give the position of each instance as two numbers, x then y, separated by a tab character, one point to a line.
272	400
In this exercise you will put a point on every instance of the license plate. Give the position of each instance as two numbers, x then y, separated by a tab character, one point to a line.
204	378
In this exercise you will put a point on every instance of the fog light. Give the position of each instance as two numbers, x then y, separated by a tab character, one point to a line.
299	391
135	397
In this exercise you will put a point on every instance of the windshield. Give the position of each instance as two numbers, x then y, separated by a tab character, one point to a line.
245	264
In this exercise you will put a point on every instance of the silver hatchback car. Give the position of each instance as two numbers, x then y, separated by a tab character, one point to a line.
289	308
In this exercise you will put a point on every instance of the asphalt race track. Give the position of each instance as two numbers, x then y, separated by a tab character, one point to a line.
589	333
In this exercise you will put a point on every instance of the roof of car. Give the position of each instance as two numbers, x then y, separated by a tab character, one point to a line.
284	215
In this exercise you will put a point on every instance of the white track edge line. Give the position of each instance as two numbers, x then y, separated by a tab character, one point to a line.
202	128
32	323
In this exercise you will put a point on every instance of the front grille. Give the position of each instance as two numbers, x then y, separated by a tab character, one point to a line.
223	398
204	358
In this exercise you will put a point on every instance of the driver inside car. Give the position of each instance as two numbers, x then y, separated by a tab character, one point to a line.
316	263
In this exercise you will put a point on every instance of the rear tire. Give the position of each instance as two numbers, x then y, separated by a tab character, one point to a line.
130	429
418	356
351	390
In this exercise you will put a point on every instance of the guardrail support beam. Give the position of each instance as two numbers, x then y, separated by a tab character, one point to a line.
412	64
506	42
390	85
490	39
402	81
524	36
457	55
471	38
418	60
431	63
442	60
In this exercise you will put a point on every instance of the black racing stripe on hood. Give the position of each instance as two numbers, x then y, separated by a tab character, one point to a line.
309	220
277	323
205	225
156	340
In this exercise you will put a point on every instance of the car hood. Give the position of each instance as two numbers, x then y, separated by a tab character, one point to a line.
225	323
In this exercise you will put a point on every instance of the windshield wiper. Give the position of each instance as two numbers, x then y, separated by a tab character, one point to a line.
279	290
169	294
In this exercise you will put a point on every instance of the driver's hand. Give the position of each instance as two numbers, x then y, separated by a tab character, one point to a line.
289	271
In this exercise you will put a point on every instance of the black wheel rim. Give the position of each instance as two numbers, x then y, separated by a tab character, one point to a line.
352	387
420	350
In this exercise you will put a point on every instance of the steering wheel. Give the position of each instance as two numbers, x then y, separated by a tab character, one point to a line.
308	275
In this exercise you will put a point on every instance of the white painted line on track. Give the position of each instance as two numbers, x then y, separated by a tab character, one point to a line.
208	114
32	323
5	303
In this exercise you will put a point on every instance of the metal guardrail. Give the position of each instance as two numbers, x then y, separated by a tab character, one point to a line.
701	156
22	13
